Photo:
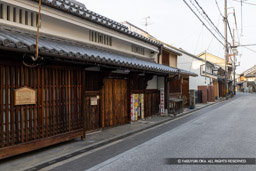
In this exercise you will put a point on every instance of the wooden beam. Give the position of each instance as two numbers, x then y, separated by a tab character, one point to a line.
33	145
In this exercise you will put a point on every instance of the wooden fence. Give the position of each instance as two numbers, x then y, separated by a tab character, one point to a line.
58	109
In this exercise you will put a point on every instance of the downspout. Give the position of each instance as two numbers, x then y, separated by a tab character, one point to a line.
160	48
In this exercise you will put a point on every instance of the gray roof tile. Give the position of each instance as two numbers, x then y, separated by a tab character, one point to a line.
64	48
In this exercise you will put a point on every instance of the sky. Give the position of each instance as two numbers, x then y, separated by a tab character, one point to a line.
172	21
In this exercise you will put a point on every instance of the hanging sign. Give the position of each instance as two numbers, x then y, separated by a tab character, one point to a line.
24	96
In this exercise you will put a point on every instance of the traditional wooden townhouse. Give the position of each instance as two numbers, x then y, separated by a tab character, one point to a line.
90	72
176	86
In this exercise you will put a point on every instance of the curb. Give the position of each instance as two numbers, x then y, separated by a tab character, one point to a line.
105	142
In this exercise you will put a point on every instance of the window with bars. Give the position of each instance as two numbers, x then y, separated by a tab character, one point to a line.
100	38
138	49
17	15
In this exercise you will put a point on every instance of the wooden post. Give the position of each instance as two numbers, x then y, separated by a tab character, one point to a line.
166	89
83	106
168	94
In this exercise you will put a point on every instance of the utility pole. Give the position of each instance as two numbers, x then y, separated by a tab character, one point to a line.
234	61
226	49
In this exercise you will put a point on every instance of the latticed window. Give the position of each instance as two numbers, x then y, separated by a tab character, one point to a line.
100	38
18	15
138	49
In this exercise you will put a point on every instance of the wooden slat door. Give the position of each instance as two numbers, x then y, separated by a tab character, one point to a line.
92	111
152	101
114	102
185	90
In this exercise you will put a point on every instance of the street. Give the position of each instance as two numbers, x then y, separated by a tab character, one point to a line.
224	130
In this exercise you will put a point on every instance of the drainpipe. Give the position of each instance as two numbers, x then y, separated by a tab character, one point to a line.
160	48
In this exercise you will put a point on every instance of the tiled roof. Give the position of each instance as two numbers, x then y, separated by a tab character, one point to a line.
79	10
185	72
76	51
249	71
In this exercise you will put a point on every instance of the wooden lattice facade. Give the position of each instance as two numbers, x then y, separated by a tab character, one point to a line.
63	108
58	109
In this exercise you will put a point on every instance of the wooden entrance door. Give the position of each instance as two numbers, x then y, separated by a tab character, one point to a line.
114	102
185	91
92	110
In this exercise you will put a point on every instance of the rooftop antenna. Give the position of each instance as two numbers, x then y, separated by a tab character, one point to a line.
146	22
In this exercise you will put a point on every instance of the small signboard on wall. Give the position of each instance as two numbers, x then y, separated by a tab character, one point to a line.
24	96
93	101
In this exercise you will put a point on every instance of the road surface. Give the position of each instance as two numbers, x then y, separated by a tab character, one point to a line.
224	130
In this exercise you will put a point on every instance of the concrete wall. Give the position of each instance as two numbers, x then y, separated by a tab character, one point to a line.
191	64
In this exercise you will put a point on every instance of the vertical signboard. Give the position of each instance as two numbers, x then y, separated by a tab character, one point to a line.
136	106
132	107
142	105
162	101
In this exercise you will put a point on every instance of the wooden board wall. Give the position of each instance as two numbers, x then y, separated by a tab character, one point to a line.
114	102
92	111
175	86
151	101
185	90
58	109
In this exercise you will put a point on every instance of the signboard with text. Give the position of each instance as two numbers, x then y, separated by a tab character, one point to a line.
24	96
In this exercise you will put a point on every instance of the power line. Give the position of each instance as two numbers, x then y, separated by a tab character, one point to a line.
199	38
230	30
203	23
248	3
212	24
249	49
248	45
209	19
205	18
219	8
213	37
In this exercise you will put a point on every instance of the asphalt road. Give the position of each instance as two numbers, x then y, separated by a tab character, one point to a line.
225	130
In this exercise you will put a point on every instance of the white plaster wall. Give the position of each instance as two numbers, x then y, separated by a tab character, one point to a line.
191	64
58	23
152	84
160	83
